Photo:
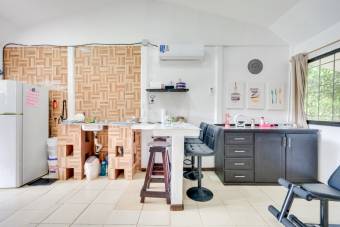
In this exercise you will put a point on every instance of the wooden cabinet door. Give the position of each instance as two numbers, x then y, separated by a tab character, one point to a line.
269	157
302	157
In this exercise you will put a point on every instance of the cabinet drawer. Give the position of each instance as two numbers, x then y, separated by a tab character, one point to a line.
238	138
239	151
239	176
239	163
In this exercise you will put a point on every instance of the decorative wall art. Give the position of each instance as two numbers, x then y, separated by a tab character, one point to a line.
275	97
235	95
255	96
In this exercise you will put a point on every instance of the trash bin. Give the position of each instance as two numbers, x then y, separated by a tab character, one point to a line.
92	168
53	168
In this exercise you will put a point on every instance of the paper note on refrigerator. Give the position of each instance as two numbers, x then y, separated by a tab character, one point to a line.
32	98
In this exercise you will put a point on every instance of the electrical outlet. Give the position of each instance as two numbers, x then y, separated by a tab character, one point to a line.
152	99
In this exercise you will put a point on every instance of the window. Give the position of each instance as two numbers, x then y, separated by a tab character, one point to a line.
322	102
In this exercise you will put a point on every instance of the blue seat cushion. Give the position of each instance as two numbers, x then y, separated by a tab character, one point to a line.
334	180
193	141
322	191
198	150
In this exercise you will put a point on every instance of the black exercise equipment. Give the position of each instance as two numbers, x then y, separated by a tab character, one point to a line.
322	192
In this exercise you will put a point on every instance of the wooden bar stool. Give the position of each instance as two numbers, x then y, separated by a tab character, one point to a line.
159	145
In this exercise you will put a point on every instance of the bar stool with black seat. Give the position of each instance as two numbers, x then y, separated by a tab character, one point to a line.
192	174
154	170
213	142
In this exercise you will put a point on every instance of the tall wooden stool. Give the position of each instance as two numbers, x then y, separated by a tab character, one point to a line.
159	145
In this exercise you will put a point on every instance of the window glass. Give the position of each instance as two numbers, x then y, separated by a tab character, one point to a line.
327	59
322	101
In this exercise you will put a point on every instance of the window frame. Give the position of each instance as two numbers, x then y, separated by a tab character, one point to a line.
320	122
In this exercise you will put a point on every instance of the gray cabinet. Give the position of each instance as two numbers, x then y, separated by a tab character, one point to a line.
269	157
264	155
302	157
239	158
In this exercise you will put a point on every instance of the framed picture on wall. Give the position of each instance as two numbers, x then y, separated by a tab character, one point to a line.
255	95
276	96
235	95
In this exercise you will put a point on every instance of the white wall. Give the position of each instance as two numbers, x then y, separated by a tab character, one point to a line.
196	105
275	70
329	146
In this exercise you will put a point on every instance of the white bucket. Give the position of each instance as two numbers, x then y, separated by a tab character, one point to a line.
52	144
92	168
53	168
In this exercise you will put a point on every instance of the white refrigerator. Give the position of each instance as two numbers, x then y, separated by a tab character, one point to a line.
23	133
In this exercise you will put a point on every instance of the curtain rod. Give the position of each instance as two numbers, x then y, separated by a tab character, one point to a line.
326	45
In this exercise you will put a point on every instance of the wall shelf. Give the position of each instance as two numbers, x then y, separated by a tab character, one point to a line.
167	90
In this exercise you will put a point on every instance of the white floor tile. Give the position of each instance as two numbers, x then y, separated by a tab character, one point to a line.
108	196
116	203
66	214
123	217
83	196
154	218
95	214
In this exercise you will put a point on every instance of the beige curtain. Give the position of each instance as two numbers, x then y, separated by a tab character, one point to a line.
299	79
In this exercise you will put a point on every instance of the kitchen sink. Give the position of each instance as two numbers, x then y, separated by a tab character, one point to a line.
92	127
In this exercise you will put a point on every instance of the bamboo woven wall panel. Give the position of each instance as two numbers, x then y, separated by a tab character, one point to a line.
129	161
107	80
73	149
39	65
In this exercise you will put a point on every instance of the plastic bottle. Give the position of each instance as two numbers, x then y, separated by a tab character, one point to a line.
103	168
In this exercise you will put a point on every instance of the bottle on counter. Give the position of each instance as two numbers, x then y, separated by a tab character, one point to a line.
103	168
227	120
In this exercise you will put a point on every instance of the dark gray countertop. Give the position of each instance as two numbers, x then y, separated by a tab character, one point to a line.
270	130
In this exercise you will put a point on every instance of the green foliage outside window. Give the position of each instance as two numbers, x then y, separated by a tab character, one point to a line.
322	102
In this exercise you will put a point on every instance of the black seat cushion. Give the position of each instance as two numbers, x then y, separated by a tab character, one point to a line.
322	191
200	139
334	180
209	138
193	141
198	150
203	127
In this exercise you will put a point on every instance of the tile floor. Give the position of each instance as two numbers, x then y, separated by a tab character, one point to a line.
116	203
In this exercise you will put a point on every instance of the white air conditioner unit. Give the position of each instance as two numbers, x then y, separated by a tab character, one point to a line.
181	52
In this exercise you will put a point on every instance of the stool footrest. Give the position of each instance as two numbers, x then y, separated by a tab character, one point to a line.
155	194
157	180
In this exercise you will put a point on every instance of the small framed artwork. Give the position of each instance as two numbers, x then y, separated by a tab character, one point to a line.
235	95
276	96
255	96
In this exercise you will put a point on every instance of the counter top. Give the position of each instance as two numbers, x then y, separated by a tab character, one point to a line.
104	123
271	129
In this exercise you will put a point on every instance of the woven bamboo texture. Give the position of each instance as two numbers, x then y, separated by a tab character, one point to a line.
40	66
127	140
107	81
74	147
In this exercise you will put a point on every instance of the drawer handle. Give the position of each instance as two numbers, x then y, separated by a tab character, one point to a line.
239	138
239	151
239	163
239	176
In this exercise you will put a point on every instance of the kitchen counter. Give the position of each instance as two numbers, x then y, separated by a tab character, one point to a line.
263	155
271	130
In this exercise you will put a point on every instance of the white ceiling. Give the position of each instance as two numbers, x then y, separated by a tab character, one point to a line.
259	12
306	19
31	12
292	20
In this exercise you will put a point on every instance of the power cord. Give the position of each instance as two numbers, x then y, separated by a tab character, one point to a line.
144	42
